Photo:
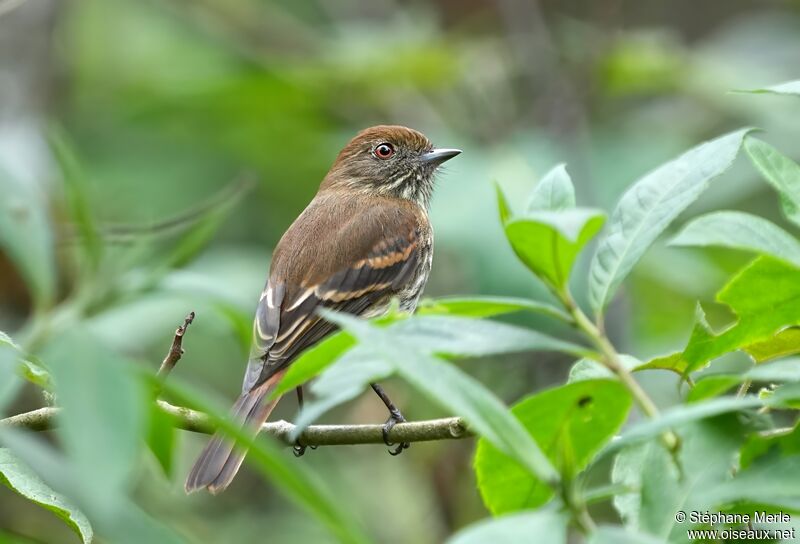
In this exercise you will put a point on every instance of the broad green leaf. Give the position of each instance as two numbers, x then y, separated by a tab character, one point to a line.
789	88
313	361
681	415
609	534
588	369
125	525
439	334
19	477
544	526
738	230
502	205
757	445
785	342
627	471
707	456
549	241
481	307
451	388
553	192
25	236
341	382
771	479
570	423
786	370
465	337
780	171
103	419
763	296
674	362
297	480
649	206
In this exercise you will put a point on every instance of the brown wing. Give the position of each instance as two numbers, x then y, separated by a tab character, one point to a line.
345	253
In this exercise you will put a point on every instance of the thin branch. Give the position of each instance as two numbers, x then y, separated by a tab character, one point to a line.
450	428
46	418
176	349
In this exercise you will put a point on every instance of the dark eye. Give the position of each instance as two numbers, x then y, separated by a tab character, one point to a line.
384	151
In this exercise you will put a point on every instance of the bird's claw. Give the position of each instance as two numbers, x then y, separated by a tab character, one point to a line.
395	417
300	449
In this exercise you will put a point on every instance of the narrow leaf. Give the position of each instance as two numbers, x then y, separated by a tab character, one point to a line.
20	478
554	192
649	206
480	307
738	230
502	205
451	388
788	88
780	171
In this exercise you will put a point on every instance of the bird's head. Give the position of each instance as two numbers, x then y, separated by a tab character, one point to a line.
388	160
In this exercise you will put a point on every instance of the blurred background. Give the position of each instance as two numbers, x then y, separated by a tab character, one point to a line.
198	130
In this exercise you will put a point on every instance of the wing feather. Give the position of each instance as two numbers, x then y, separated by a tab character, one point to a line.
371	270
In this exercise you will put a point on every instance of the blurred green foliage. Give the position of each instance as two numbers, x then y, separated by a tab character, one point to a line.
136	212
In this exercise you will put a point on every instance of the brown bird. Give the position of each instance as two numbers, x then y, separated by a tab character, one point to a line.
364	239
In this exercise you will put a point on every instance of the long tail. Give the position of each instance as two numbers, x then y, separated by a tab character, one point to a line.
219	461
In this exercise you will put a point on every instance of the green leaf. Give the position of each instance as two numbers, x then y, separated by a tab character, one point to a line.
649	206
554	192
480	307
103	419
627	471
449	387
76	193
465	337
707	456
617	535
674	362
570	423
296	480
26	237
20	478
763	296
160	437
712	386
787	370
549	241
9	370
788	88
502	205
780	171
681	415
547	525
437	334
313	361
738	230
757	445
771	479
785	342
588	369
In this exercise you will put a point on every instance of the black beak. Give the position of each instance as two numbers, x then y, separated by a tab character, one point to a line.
438	156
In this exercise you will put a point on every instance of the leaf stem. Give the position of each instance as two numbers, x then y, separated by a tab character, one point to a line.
612	361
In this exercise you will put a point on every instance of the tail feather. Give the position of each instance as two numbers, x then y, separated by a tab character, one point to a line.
220	460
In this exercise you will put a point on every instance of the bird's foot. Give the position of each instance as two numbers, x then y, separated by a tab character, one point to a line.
395	417
299	449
